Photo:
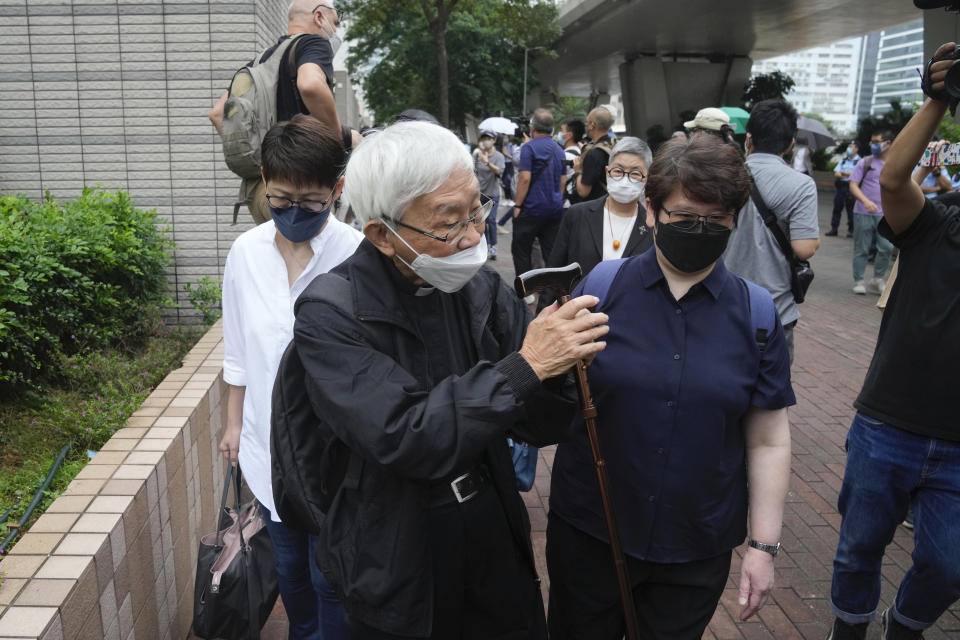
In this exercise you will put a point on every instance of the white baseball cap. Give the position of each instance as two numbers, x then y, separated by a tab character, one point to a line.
709	118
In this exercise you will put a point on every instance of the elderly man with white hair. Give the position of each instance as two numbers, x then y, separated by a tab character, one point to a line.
421	360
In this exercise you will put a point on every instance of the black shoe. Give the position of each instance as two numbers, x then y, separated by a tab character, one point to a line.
832	232
890	629
844	631
849	234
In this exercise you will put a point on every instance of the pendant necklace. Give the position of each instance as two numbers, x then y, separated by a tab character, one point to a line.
616	241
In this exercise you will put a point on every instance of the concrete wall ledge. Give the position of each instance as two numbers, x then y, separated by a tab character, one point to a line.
114	556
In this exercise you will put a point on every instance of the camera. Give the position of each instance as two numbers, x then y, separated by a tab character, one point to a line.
568	162
947	5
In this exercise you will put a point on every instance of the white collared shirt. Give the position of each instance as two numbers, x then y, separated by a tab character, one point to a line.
258	325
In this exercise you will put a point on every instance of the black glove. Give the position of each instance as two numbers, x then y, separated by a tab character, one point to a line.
942	95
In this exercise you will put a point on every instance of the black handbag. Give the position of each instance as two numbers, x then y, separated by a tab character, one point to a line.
236	583
801	273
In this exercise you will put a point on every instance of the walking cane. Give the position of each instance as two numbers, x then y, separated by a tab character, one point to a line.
560	281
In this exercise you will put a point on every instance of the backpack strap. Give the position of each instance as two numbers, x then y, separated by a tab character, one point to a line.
598	281
763	314
867	165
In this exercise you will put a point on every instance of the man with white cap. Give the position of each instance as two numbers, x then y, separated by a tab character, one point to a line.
714	121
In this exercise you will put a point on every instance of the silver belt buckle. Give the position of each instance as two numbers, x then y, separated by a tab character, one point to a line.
461	498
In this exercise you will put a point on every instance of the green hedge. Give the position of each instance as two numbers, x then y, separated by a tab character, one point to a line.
75	276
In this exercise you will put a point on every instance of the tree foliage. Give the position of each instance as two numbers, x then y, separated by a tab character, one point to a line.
569	107
393	54
766	86
892	120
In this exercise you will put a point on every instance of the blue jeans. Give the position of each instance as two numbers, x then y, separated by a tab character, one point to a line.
887	470
490	231
864	235
312	607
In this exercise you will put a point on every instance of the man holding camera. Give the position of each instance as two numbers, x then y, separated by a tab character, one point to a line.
903	448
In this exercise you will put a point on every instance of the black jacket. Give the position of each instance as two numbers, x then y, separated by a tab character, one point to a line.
580	237
368	382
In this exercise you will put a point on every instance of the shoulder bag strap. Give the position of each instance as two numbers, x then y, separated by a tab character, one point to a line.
867	165
541	170
770	220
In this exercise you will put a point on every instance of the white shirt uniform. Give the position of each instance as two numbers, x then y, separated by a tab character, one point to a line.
258	325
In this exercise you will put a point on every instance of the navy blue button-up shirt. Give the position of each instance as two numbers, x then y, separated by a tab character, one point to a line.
671	389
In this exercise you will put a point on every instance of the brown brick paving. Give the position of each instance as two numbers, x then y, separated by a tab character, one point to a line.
834	344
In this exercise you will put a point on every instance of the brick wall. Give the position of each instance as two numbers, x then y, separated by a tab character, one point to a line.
114	556
117	93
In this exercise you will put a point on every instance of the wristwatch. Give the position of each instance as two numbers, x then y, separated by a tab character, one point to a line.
772	549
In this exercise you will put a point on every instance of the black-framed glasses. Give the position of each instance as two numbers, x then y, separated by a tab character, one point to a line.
455	232
687	220
313	206
633	176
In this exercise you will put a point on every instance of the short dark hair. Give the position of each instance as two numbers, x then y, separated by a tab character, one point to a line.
304	152
542	121
576	127
705	167
885	134
772	126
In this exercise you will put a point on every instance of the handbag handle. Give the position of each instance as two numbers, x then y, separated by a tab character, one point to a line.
235	477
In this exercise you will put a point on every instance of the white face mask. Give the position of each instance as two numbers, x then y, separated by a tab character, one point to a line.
624	191
335	40
450	273
486	145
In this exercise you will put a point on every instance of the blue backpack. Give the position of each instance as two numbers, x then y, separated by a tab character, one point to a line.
763	314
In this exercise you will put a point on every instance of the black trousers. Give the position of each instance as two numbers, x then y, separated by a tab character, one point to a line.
842	199
673	601
527	228
483	589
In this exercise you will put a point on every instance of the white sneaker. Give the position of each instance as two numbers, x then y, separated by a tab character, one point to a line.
858	288
877	285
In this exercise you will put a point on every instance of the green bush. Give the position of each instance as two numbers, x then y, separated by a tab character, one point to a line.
75	276
205	296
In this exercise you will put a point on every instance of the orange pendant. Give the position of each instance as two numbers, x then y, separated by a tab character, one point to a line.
616	245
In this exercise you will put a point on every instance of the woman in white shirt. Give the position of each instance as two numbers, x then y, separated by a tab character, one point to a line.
267	268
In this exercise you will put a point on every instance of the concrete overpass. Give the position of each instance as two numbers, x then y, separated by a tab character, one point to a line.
668	56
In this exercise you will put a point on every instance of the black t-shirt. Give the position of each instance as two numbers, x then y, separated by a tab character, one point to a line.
912	381
309	48
594	171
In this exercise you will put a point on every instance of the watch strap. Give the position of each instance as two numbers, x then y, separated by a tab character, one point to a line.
772	549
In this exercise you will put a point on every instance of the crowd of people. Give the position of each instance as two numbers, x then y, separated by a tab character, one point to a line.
419	361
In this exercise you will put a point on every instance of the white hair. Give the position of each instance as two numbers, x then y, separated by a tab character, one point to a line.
636	146
403	162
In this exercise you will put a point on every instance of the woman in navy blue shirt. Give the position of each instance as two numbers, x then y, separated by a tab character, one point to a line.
692	406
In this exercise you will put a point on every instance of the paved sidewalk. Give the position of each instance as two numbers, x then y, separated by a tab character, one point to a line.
834	344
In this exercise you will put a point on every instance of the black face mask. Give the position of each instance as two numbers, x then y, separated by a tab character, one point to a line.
691	250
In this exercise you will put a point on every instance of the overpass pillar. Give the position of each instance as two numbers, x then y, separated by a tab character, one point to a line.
656	90
939	27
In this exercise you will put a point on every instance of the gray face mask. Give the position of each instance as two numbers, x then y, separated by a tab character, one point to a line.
450	273
335	40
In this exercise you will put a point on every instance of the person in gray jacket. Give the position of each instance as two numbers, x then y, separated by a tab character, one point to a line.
422	375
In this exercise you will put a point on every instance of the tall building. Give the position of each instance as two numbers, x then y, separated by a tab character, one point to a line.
826	80
899	55
853	78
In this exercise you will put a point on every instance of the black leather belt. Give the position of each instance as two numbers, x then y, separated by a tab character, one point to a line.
461	488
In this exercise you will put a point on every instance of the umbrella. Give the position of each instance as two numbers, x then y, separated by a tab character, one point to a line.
813	133
738	118
499	124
